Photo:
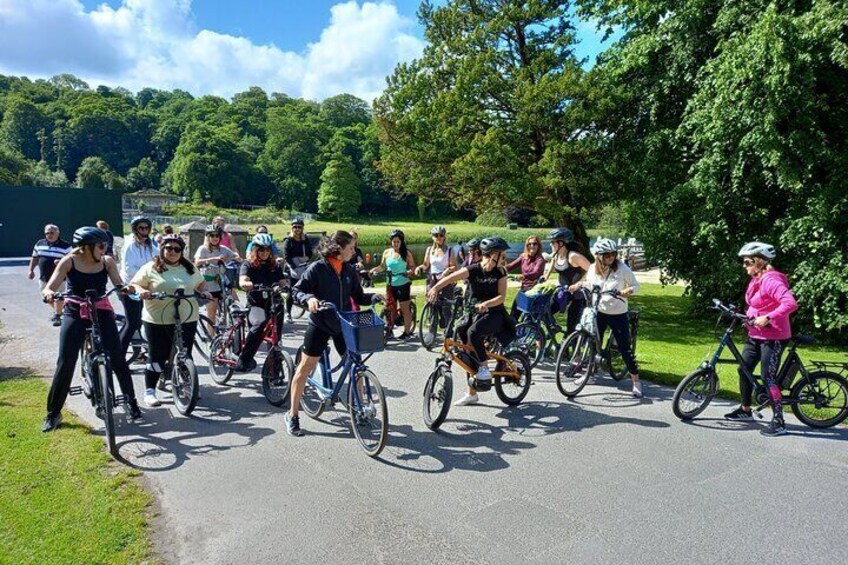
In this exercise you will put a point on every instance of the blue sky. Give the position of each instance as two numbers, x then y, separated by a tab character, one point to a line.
310	48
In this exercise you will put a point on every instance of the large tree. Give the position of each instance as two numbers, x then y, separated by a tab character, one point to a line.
339	195
22	125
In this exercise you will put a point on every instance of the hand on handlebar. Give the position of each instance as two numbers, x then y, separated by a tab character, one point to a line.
144	294
432	295
760	321
313	304
247	287
377	298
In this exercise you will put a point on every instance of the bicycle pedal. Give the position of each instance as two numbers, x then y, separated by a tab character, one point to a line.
119	400
758	414
75	391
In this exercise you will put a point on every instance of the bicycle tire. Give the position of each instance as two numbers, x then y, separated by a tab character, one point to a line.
617	368
438	393
701	385
107	404
530	339
184	385
297	311
369	414
203	336
311	402
413	312
505	385
221	373
277	373
428	330
830	402
575	363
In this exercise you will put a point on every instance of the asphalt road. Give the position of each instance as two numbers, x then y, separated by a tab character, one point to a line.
601	479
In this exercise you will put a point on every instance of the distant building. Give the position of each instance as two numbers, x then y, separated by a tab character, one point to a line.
150	200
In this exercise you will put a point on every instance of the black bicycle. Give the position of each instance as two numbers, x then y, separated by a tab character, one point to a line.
440	317
818	398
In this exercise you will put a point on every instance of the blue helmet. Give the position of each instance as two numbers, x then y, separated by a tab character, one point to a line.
263	240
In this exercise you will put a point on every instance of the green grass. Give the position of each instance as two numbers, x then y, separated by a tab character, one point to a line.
62	498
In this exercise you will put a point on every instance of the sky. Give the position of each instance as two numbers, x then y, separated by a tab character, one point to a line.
305	48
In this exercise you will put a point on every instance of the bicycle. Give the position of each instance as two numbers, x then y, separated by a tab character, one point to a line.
294	275
511	378
185	386
582	352
823	392
278	367
390	311
206	328
365	401
441	314
537	330
95	370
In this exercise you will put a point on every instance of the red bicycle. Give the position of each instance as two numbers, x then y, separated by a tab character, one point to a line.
390	312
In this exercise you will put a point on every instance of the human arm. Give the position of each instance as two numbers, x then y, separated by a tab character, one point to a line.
112	271
410	264
382	266
304	289
578	260
58	277
445	281
425	265
777	289
535	269
629	279
514	263
33	261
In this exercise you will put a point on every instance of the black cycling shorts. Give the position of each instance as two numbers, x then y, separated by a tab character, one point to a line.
315	341
217	294
403	292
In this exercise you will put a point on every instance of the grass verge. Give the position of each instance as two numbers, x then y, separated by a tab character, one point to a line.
62	499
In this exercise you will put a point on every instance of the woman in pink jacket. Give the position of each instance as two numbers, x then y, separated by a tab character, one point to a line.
770	302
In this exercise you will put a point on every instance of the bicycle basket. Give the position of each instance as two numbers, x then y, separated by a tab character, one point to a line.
537	304
362	331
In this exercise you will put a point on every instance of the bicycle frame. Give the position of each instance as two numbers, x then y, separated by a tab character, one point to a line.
449	356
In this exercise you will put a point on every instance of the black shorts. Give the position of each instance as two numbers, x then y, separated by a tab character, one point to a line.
315	341
402	292
217	294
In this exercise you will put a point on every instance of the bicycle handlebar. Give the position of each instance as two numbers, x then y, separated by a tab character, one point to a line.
179	294
730	310
89	294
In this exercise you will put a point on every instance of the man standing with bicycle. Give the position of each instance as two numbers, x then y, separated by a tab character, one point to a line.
770	302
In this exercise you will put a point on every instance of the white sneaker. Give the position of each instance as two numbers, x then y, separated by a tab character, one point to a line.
581	380
483	374
467	399
150	398
289	319
637	389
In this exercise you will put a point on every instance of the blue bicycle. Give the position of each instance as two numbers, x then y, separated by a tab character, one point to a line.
365	401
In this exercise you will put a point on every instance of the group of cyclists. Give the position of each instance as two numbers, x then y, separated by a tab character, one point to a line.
335	277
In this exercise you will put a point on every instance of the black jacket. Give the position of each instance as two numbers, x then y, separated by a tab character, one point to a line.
321	281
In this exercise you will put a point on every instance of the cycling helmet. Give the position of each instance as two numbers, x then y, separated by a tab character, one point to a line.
89	235
604	245
473	243
140	220
564	235
263	240
172	238
491	244
758	249
212	229
395	233
297	221
438	230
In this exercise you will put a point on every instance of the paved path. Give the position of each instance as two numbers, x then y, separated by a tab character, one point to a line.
601	479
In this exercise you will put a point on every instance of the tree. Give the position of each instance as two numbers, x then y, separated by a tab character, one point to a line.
12	167
344	110
40	174
144	176
20	127
95	173
339	193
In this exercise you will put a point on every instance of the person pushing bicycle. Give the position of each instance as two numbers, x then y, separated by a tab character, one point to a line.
486	295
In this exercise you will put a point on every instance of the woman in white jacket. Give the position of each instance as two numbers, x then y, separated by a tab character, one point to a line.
611	274
138	250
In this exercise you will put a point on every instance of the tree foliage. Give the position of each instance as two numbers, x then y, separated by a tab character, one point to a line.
339	195
95	173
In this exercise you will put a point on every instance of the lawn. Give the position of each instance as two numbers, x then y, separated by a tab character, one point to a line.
62	498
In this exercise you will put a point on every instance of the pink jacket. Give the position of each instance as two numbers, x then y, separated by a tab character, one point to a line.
769	295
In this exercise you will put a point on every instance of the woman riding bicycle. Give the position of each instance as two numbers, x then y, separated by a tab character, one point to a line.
613	275
487	292
571	266
400	262
85	268
260	269
168	272
532	265
210	258
137	251
297	251
332	279
439	261
770	302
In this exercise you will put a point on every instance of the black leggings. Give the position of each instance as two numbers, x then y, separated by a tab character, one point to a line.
71	337
254	336
477	327
574	311
620	327
767	353
160	343
132	312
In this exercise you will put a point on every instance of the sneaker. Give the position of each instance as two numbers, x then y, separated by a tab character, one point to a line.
775	428
405	336
483	374
293	425
150	398
637	389
51	422
245	367
289	319
56	320
467	399
163	384
581	379
134	411
739	415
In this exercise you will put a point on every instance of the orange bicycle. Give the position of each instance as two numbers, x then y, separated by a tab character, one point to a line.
511	378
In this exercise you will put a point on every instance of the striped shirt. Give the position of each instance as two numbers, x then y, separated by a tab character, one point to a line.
48	254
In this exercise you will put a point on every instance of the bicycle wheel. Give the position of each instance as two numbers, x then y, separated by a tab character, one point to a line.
821	401
297	311
575	363
311	401
428	331
204	336
438	392
694	393
413	312
389	319
184	385
530	339
106	403
512	389
220	349
617	368
277	373
369	415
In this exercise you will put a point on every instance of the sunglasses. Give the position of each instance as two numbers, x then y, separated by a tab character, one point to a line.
532	244
214	236
173	248
100	245
261	248
608	255
139	228
748	262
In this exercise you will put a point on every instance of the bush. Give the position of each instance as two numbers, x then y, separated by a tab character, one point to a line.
491	218
518	215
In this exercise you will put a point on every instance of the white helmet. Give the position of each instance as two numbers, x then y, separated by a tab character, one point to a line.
757	249
604	245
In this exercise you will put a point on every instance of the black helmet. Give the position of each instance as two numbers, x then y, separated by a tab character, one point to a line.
89	235
564	235
298	221
213	229
473	243
395	233
172	238
139	220
491	244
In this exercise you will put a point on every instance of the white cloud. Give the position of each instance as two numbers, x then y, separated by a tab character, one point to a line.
155	43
